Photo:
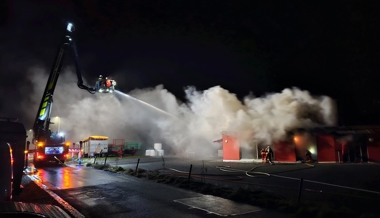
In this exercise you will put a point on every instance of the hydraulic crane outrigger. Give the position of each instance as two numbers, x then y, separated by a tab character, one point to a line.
42	134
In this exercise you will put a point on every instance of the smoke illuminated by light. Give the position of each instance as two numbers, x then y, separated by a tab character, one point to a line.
154	115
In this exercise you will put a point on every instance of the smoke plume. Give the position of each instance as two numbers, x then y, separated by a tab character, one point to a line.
180	127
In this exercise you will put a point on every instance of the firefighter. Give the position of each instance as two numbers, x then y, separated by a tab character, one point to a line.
269	154
263	156
308	156
80	157
107	83
99	83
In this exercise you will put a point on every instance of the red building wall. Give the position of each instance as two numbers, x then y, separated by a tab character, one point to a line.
373	151
284	152
327	151
231	148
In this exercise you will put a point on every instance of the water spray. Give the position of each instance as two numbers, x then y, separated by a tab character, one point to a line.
143	102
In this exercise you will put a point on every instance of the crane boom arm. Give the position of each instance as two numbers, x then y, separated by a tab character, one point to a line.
42	120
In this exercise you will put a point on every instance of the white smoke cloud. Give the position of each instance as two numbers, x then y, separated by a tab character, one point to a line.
180	127
271	117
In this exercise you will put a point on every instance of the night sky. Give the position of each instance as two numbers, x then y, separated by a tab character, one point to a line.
245	47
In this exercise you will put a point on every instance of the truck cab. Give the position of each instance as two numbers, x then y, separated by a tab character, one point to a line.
50	152
12	147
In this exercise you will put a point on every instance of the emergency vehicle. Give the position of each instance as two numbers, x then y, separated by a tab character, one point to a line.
51	147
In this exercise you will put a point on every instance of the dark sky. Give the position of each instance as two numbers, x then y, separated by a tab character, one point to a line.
261	47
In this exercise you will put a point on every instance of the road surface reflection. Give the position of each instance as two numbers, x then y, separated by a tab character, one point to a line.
60	177
72	176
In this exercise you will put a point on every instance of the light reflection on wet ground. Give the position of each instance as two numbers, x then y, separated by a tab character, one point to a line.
71	176
96	193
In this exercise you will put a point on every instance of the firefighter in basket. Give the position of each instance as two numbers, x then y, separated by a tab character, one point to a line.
105	85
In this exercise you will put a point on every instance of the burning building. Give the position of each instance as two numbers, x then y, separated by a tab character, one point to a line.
326	145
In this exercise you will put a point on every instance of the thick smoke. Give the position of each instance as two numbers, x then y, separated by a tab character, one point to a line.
180	127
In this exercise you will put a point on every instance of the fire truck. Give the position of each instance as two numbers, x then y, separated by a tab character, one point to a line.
13	151
51	147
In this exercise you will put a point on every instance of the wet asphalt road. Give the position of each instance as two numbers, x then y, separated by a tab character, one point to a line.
321	181
97	193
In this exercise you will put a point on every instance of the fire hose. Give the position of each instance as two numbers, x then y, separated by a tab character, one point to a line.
59	161
252	174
